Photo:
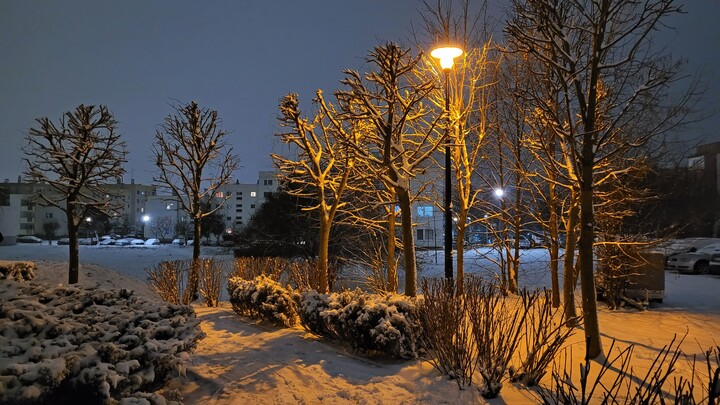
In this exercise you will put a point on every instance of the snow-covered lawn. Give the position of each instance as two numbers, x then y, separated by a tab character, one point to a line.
242	361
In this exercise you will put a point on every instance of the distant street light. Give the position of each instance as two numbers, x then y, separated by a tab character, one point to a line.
447	56
499	193
88	220
146	218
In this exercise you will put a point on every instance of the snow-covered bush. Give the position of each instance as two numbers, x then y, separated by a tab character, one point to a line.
368	322
311	304
77	345
19	271
263	298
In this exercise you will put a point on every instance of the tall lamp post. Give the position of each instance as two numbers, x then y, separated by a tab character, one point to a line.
447	55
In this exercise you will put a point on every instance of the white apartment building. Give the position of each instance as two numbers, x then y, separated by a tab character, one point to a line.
243	200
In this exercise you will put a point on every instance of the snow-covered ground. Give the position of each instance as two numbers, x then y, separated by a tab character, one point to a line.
244	362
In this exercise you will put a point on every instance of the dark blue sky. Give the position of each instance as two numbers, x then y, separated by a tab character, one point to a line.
238	57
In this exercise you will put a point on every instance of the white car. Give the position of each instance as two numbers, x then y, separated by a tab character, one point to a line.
28	239
152	241
106	242
137	242
695	262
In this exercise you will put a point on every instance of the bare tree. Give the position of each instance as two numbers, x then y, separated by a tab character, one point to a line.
193	162
76	158
400	131
50	227
161	226
321	169
469	82
610	76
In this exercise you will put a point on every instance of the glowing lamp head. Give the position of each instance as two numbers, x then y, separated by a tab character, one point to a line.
145	218
447	55
499	192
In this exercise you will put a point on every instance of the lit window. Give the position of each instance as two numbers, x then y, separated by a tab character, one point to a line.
253	194
425	210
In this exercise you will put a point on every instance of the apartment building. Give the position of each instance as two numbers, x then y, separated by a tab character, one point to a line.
243	200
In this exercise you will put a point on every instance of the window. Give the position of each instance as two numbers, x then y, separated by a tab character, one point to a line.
425	210
219	194
228	218
252	206
267	194
48	215
239	198
267	182
424	234
253	194
238	209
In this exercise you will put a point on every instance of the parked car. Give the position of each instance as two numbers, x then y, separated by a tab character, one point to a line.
178	242
106	241
63	241
524	243
152	241
715	264
122	242
28	239
695	262
137	242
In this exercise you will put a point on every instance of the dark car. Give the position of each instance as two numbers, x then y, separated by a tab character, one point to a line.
63	241
715	264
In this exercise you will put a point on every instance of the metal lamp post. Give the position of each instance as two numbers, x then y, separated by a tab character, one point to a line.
446	55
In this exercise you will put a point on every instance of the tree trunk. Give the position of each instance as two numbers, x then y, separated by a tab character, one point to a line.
553	225
462	218
392	277
408	241
585	253
74	250
191	292
322	262
569	273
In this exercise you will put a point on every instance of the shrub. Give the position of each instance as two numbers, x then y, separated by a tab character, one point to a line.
211	278
19	271
263	298
367	322
169	280
447	330
76	345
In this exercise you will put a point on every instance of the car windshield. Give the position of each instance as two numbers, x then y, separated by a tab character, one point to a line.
709	249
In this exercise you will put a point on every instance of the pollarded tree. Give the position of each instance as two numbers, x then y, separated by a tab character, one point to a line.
76	157
193	162
601	55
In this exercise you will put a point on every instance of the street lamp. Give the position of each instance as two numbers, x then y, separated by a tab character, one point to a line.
87	228
447	55
145	220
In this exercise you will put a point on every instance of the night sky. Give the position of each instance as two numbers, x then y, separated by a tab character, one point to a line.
237	57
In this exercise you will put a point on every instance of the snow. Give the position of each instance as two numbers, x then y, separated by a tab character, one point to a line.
244	361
